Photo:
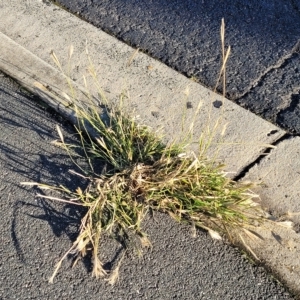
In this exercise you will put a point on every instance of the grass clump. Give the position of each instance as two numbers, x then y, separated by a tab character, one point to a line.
119	140
144	174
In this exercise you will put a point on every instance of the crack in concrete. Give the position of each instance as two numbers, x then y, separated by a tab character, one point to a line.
262	155
280	63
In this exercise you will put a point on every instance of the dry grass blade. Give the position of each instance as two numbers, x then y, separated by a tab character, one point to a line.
60	134
71	50
248	248
114	276
58	265
56	60
132	57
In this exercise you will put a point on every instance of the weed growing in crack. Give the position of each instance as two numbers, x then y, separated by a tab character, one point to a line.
143	174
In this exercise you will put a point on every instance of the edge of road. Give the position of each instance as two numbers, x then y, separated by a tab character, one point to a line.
158	95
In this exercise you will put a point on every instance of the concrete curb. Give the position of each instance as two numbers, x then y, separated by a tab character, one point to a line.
158	95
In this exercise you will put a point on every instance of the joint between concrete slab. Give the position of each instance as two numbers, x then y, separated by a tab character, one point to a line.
260	157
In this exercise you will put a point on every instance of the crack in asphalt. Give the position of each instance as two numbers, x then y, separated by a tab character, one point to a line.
279	64
276	97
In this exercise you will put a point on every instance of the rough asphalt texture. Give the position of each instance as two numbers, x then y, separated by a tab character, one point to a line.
263	73
35	233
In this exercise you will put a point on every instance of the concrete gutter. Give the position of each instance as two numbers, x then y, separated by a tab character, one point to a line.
30	30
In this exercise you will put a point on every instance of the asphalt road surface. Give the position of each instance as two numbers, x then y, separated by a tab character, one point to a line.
35	233
263	73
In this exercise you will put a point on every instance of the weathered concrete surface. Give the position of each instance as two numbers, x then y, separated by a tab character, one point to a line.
278	250
264	38
279	173
156	93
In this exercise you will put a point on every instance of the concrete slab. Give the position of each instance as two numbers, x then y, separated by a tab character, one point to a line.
278	251
158	94
279	172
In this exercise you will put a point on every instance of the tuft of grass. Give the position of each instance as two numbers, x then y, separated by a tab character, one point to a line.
148	175
119	140
144	174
